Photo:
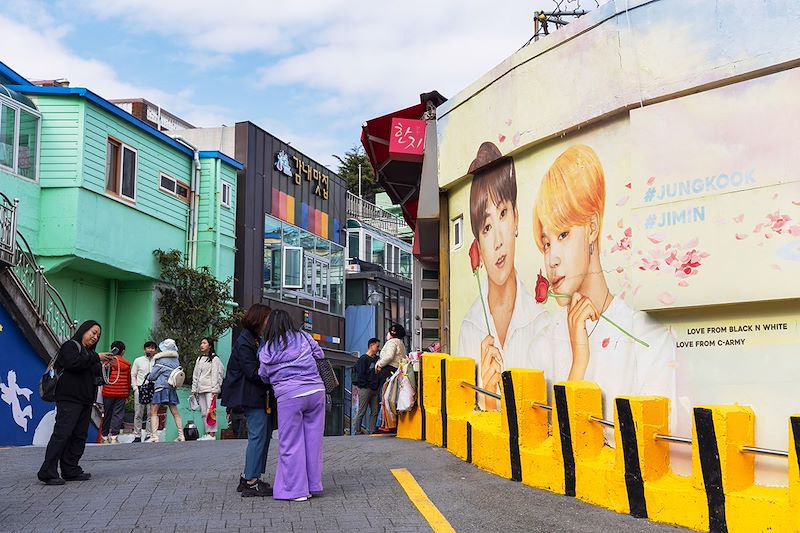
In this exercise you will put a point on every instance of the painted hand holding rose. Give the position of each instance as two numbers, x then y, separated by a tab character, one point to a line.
580	310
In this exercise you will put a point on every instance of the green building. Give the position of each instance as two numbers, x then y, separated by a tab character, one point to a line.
99	190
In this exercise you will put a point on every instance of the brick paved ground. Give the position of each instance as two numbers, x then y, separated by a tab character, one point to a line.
191	487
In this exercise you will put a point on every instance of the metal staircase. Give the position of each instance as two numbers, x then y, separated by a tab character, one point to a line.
33	302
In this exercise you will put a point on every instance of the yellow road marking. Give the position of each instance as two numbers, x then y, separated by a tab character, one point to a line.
424	505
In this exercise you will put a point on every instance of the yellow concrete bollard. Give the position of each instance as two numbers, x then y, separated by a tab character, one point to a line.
594	478
459	405
433	365
410	424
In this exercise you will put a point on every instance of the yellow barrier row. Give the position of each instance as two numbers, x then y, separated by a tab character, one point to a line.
572	458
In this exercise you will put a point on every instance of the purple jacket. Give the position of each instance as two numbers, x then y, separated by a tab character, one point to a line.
291	369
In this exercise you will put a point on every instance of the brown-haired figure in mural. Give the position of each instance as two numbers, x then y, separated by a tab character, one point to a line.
567	224
514	318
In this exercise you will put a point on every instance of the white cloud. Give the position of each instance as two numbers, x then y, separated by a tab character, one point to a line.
45	56
378	54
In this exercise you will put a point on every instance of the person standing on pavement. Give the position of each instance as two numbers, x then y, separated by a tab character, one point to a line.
80	368
115	393
288	363
243	389
392	353
141	367
164	363
207	383
368	384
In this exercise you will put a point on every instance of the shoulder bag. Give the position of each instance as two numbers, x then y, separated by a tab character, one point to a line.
49	381
325	369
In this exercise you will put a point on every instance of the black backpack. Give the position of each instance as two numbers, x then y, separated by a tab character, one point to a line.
49	381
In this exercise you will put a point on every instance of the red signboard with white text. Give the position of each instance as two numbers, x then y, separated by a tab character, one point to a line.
407	139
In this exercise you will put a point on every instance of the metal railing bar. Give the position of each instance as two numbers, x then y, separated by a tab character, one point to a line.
764	451
607	423
537	405
673	438
480	390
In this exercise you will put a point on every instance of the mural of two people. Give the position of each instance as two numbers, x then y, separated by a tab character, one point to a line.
587	333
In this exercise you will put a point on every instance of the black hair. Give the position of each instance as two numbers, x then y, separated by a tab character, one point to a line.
86	326
120	346
397	331
372	341
151	344
279	326
211	354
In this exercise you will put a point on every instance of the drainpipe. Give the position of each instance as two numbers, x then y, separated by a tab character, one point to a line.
193	202
218	196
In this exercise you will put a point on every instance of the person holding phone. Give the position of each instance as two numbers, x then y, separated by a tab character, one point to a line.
80	367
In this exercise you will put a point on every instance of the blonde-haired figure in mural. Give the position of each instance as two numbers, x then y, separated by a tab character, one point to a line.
567	223
498	328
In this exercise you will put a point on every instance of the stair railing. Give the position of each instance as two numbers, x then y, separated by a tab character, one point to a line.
50	307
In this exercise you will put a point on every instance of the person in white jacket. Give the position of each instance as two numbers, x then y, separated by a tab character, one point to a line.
141	367
207	383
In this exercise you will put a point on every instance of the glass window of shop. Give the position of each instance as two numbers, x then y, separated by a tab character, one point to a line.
302	268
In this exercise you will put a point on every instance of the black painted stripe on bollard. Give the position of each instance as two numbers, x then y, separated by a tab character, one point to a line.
444	403
630	452
566	439
513	426
795	421
421	401
469	443
712	471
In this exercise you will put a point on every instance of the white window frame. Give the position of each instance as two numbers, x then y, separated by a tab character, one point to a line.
226	187
121	163
458	232
285	267
174	190
18	109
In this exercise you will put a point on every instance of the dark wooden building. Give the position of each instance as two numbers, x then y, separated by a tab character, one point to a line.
290	238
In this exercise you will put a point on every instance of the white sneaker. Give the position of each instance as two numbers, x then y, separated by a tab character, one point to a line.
113	439
207	437
154	438
301	499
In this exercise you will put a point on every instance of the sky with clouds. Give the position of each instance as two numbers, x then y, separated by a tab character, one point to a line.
308	71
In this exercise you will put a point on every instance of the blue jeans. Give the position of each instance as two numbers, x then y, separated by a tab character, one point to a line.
259	431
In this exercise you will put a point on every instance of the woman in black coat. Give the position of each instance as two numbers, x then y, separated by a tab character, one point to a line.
243	389
80	367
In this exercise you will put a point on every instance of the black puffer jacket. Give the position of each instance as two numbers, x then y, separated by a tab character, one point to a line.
81	372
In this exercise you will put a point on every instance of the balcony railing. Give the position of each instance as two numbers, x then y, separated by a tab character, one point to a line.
16	253
378	218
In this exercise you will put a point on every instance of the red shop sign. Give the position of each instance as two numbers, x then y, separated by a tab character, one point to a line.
407	139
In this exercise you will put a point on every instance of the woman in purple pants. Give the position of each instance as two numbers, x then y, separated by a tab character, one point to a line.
288	363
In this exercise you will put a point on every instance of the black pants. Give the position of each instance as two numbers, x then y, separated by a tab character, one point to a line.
67	441
113	415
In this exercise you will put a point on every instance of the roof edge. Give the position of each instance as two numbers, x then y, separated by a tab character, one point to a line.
216	154
105	105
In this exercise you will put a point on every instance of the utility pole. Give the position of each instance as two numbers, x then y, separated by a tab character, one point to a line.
359	180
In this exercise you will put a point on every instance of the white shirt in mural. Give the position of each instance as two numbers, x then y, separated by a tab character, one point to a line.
529	321
618	364
10	393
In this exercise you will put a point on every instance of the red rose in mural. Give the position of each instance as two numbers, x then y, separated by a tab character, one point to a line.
542	288
474	256
475	264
